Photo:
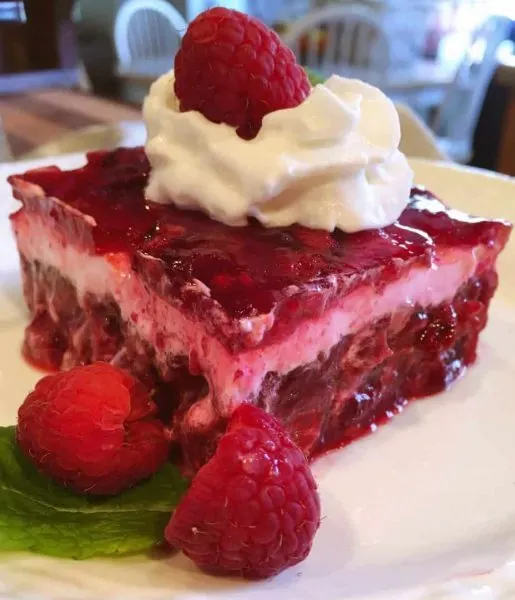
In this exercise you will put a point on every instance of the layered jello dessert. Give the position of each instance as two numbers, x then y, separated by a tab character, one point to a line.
275	253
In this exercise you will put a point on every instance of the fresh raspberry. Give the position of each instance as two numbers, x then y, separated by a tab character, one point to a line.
92	429
235	70
253	509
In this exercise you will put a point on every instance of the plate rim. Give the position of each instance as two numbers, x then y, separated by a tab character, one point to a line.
502	576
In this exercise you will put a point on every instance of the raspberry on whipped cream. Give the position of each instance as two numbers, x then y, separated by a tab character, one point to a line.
325	159
332	162
233	69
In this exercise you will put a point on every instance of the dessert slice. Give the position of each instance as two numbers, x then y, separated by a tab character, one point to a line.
330	332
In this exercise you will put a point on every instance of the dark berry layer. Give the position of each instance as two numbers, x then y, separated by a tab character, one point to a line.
364	379
295	272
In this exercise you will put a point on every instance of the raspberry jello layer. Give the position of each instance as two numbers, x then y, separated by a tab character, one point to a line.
330	332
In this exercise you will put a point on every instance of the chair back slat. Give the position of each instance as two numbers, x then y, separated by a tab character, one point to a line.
147	29
347	40
459	112
333	36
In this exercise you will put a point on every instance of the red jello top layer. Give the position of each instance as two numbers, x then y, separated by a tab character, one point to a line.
249	270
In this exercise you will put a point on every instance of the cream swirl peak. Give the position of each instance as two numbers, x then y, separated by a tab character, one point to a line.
331	162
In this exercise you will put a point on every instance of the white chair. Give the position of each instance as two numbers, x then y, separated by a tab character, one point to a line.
84	81
347	40
147	35
458	115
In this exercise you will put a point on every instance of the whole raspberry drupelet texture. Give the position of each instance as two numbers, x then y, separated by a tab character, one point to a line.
92	429
253	509
234	69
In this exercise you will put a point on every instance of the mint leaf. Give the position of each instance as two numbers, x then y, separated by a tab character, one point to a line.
314	76
37	514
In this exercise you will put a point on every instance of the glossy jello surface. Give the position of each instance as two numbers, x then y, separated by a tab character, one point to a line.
248	268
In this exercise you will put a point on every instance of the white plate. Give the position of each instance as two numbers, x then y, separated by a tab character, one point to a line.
417	510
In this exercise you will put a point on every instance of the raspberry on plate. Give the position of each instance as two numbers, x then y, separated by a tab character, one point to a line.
234	69
92	429
253	509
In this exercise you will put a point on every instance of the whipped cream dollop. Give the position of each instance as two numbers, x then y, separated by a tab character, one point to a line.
331	162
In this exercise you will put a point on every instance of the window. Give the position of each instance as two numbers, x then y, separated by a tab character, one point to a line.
12	11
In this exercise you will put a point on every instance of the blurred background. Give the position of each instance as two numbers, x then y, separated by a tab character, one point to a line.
73	74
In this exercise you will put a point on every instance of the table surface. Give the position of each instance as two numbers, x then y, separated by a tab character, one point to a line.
17	83
419	74
34	118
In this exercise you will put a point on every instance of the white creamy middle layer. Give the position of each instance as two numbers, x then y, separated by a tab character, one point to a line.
235	378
